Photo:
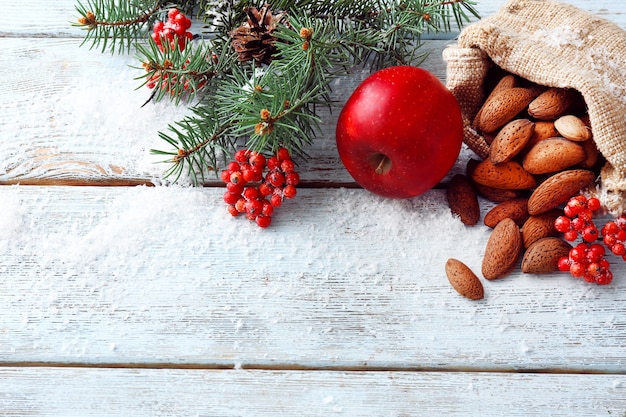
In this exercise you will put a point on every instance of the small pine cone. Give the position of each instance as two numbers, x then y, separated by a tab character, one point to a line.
254	40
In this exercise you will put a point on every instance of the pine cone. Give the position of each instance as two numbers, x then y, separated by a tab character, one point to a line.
254	39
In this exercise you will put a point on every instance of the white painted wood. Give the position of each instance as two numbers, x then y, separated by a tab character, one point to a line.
341	279
166	392
45	18
74	116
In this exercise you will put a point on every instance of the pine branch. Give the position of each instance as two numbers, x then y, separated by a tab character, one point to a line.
263	91
111	23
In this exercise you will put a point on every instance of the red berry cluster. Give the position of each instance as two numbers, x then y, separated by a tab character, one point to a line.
174	30
586	260
256	185
578	219
614	236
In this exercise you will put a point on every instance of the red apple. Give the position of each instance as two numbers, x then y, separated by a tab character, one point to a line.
400	132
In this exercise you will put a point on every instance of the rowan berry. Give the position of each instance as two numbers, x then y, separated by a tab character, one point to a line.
283	154
231	198
289	191
241	155
287	165
237	178
277	179
232	210
263	220
590	234
563	224
292	178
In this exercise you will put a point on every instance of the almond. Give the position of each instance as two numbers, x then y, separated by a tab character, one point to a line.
591	154
553	103
503	250
507	81
503	107
572	128
542	257
558	188
463	200
464	280
514	209
510	140
552	155
507	175
497	195
544	129
539	226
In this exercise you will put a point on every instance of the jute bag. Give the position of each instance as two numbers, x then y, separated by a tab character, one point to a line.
555	45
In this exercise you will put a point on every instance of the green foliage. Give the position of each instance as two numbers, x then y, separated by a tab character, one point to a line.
262	104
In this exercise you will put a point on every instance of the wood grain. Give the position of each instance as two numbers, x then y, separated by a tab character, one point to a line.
166	392
341	279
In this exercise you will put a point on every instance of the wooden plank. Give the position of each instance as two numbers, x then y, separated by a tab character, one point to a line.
44	18
166	392
342	279
65	126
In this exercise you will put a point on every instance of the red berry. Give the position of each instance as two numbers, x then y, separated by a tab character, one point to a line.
171	14
232	210
240	205
287	165
234	188
618	249
585	214
289	191
231	198
577	269
610	228
595	253
578	224
263	220
569	212
234	166
257	160
564	264
276	179
268	209
590	234
605	277
272	163
578	253
158	27
276	200
283	154
251	193
571	235
562	224
241	155
265	189
593	204
292	178
225	176
254	207
249	175
237	178
609	240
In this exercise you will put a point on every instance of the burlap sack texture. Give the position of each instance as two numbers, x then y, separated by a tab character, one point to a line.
556	45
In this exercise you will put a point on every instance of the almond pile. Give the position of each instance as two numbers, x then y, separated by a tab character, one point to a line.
541	153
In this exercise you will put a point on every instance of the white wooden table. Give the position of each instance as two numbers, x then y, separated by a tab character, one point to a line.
118	299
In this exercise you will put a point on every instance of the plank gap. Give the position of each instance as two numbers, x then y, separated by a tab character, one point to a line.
286	367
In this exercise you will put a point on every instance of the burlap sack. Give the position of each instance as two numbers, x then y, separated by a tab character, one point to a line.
555	45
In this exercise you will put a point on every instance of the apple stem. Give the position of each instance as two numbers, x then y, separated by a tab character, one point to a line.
384	165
